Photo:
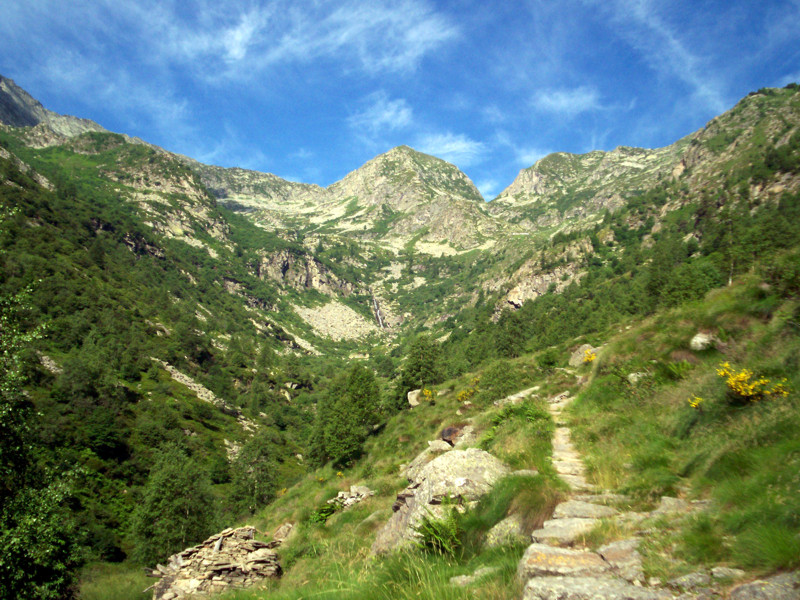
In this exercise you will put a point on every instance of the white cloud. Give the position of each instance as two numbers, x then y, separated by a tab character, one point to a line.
455	148
488	188
568	102
381	114
377	37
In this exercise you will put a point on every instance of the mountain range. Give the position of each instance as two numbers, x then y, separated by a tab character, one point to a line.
227	312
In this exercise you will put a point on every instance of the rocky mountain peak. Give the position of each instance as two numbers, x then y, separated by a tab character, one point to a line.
19	109
404	178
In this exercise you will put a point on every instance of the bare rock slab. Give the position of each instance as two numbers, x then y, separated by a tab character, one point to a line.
624	558
541	560
781	587
563	532
582	510
588	588
458	477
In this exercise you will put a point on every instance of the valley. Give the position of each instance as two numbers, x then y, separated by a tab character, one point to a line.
189	348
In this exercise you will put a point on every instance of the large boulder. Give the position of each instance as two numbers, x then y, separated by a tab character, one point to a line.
577	358
456	478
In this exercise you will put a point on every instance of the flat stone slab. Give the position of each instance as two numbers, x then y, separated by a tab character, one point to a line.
563	532
605	498
583	510
588	588
541	560
575	482
781	587
569	467
624	558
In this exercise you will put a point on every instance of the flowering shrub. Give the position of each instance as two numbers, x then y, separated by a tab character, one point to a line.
744	386
468	393
695	402
427	395
589	355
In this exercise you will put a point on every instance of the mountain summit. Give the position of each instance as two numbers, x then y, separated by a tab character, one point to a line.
19	109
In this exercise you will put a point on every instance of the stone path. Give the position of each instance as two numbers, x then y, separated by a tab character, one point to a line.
550	568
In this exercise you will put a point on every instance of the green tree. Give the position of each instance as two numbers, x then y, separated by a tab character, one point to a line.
422	367
255	471
176	509
346	416
37	540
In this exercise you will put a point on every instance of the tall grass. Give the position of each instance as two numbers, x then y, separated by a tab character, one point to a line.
648	440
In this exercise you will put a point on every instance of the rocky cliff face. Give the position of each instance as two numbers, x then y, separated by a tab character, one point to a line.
304	272
19	109
565	187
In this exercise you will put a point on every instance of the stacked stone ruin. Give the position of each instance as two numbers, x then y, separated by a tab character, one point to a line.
232	558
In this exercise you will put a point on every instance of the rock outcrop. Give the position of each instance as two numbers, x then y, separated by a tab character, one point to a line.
232	558
457	478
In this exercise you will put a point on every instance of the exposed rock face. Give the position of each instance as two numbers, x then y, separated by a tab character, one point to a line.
228	559
19	109
206	395
459	477
408	191
507	532
302	272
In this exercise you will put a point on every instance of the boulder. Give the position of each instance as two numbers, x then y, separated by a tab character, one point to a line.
458	477
563	532
507	532
435	448
583	510
701	341
577	357
413	397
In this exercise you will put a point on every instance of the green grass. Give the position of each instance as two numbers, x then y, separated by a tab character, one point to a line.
646	439
104	581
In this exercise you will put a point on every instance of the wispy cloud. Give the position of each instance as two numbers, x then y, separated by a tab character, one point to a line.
566	101
488	188
380	114
458	149
647	32
377	37
528	156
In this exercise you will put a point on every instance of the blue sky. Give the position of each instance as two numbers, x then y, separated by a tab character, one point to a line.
312	89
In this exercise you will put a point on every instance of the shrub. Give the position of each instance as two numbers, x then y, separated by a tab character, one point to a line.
744	387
